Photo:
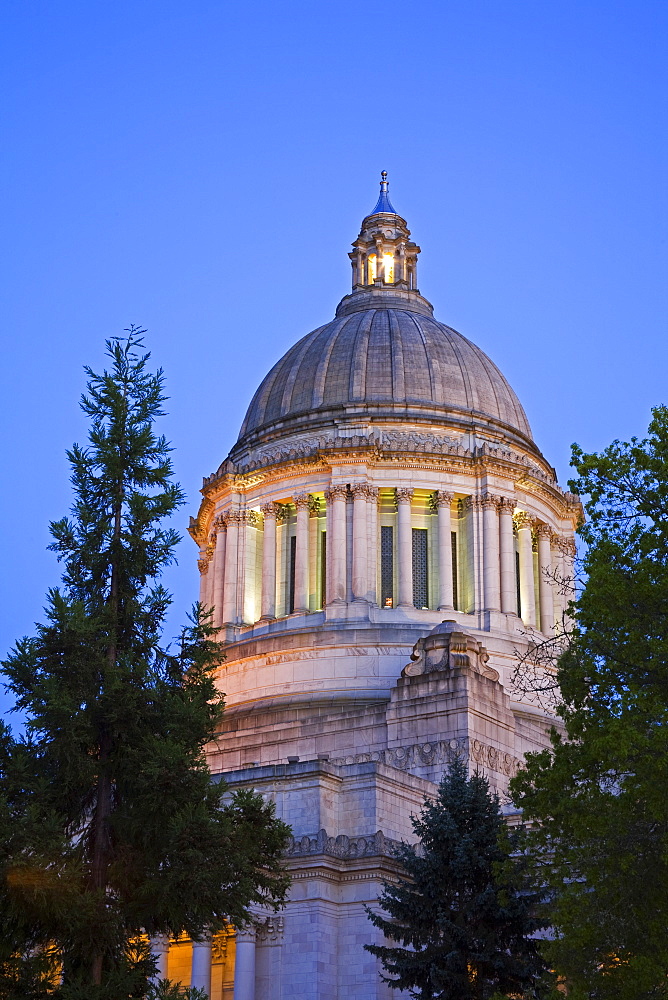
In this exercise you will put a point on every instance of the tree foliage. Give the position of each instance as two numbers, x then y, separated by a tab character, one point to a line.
113	824
463	912
599	794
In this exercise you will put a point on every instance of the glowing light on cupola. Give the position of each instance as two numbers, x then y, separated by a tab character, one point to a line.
383	253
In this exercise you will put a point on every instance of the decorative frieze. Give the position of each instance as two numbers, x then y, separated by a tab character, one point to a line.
437	753
343	847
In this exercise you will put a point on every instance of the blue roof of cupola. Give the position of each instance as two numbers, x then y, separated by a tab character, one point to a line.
383	204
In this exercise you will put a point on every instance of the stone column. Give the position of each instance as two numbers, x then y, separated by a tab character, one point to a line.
491	571
200	974
443	503
507	557
268	600
523	522
313	541
230	602
217	570
160	951
336	544
244	964
372	543
301	502
405	547
545	582
360	547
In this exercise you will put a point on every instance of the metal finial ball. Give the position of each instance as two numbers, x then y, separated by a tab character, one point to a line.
383	174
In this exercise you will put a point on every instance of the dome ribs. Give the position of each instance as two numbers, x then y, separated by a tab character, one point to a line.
429	360
321	383
398	387
379	360
306	371
357	390
391	359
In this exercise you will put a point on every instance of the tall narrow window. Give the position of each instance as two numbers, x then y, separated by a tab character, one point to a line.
323	569
386	566
455	575
420	575
371	265
517	585
293	559
388	267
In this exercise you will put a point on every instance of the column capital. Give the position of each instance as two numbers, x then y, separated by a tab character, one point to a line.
339	492
544	531
359	491
403	494
506	505
251	517
220	523
523	519
313	506
441	498
269	509
233	516
159	944
473	502
301	500
247	933
489	501
203	566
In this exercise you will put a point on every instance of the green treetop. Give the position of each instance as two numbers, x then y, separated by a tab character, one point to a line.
599	794
116	826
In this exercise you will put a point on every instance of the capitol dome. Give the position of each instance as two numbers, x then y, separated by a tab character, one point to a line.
383	360
392	356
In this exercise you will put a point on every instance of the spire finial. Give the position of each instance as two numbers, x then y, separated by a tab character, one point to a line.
383	204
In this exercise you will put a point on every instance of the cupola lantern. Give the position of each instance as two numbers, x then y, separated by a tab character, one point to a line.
383	253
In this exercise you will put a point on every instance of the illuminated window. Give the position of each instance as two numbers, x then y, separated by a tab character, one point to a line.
371	264
388	267
386	566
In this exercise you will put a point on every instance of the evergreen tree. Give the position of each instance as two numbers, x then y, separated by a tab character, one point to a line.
462	912
116	826
599	794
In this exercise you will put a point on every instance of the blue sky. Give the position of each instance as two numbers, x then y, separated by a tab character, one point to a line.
201	168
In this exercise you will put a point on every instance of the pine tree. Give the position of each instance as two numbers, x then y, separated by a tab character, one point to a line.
118	828
462	912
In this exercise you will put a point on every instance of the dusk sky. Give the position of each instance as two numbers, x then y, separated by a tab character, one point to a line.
201	169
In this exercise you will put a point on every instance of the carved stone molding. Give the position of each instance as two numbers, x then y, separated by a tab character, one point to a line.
344	847
436	753
270	930
448	647
403	495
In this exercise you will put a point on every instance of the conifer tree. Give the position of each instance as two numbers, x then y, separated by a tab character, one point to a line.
462	912
117	828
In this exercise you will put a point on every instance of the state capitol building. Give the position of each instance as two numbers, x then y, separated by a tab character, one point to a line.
380	545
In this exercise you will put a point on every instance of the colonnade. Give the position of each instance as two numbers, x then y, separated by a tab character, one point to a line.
268	932
510	561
